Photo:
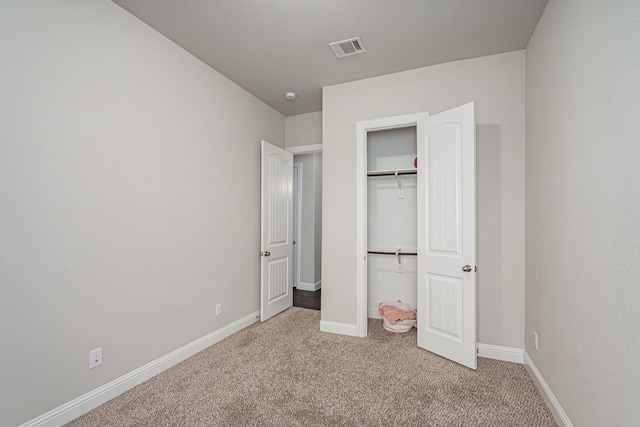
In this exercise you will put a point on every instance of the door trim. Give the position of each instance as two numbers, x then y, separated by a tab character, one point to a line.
362	128
305	149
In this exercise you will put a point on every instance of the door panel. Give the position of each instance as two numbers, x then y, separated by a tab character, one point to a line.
445	316
444	178
276	242
446	235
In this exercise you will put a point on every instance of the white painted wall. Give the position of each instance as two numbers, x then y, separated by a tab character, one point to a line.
496	84
129	199
583	206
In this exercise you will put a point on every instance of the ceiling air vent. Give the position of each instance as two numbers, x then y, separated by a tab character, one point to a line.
349	47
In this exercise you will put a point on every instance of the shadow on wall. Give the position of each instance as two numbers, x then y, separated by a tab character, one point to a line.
488	218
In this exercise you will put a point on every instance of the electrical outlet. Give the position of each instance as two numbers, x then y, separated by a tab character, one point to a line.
535	339
218	309
95	358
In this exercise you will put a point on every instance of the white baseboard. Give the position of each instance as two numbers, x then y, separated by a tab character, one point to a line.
560	416
339	328
97	397
507	354
305	286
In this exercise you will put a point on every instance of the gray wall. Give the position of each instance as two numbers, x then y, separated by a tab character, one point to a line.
129	199
311	213
583	207
496	84
317	220
303	129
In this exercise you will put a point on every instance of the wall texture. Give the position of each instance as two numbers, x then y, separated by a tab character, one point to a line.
129	199
583	206
496	84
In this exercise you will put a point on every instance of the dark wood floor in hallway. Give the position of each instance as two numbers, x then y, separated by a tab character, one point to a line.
306	299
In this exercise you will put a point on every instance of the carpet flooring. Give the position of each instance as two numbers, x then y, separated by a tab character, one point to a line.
285	372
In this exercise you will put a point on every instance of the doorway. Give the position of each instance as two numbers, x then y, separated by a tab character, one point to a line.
307	225
391	218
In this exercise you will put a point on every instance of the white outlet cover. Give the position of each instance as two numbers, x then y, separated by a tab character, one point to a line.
95	358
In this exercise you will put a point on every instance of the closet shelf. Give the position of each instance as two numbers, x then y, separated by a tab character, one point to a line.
393	172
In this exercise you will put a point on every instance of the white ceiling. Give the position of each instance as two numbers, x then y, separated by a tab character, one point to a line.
270	47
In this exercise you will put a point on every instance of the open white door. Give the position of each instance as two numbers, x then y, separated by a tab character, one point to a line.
276	235
446	235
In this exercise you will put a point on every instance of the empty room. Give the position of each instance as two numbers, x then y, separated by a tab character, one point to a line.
477	160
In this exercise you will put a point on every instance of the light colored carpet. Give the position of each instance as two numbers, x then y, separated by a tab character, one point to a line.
285	372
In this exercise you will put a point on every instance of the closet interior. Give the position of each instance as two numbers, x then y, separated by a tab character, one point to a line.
391	217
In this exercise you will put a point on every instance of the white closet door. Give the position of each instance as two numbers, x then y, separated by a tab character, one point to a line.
446	235
276	241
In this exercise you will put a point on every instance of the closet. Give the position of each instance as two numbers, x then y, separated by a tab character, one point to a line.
391	217
416	231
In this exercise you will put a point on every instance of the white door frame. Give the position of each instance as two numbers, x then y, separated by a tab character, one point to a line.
362	128
305	149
